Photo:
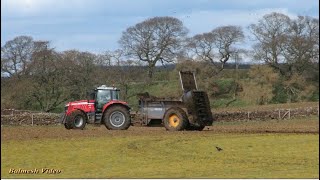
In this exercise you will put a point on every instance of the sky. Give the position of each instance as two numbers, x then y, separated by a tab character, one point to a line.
97	25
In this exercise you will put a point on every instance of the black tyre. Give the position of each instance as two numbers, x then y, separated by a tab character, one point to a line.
67	126
175	119
117	117
77	120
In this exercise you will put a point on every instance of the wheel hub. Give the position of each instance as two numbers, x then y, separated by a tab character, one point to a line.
78	122
117	119
174	120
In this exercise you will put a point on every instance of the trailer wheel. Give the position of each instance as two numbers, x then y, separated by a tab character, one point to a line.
175	119
117	118
77	120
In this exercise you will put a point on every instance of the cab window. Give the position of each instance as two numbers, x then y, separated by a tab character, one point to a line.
103	96
115	95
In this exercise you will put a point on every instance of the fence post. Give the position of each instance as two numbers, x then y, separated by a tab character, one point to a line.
31	119
248	115
279	114
286	113
289	114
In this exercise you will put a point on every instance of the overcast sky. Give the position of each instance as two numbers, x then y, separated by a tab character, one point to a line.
96	25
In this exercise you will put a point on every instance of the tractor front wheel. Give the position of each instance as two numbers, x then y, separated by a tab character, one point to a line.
67	126
175	119
117	118
77	120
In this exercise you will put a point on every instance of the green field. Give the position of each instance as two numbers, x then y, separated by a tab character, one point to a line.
143	152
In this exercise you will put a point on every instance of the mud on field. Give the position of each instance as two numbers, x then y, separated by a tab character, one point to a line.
59	132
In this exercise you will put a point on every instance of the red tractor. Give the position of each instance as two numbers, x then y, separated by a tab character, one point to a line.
104	107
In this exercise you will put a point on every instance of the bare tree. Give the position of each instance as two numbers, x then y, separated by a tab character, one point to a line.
105	59
83	72
226	37
301	50
113	57
16	55
154	40
119	70
48	75
270	33
102	60
203	46
288	45
87	71
217	46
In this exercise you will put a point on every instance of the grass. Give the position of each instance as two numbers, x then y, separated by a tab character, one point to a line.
221	103
167	155
267	107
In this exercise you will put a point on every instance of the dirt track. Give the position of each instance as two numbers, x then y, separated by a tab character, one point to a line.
59	132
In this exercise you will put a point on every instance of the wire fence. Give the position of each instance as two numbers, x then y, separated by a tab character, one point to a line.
267	114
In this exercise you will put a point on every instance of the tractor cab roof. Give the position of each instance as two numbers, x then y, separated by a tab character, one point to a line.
104	87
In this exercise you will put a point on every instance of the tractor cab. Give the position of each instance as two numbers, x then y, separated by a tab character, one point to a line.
102	95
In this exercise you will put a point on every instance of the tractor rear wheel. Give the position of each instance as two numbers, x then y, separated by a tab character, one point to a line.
77	120
117	118
175	119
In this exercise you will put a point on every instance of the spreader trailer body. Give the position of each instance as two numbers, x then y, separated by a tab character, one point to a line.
191	112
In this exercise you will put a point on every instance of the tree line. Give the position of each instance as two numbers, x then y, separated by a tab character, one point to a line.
36	76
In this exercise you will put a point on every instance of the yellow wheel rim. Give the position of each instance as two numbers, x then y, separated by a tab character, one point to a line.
174	120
